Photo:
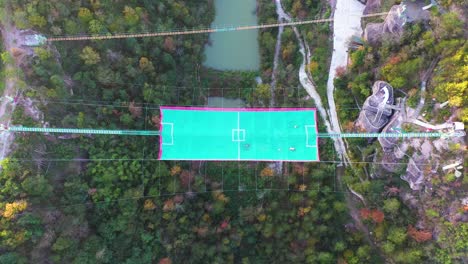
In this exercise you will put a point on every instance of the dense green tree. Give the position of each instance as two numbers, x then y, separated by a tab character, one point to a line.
391	206
12	258
397	235
37	186
90	56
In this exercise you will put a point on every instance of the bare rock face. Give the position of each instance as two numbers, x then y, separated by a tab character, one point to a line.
392	26
373	33
372	6
414	172
374	115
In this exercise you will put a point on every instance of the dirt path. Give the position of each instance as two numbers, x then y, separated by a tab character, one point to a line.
425	77
345	26
6	106
281	19
12	39
309	85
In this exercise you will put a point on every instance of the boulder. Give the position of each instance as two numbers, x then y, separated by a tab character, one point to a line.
373	33
392	26
414	172
372	6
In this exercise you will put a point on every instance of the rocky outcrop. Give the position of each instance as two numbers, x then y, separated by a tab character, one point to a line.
414	173
375	115
372	6
392	26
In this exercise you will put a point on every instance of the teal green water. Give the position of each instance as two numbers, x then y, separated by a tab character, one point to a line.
235	50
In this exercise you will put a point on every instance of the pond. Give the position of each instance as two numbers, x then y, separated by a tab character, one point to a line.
234	50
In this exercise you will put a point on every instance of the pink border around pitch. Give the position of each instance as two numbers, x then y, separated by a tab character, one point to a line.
276	109
160	133
236	109
317	138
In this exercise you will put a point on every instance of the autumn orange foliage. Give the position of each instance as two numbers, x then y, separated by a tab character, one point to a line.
156	121
300	169
348	126
303	211
394	60
340	71
165	261
16	52
419	236
169	44
377	216
365	213
136	111
374	215
201	231
186	178
168	205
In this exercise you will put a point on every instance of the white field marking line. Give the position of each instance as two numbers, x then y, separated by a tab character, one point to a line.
307	137
238	135
172	134
243	135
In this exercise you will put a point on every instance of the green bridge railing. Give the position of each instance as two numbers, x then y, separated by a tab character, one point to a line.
158	133
84	131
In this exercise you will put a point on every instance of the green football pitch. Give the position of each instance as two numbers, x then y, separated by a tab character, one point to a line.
263	134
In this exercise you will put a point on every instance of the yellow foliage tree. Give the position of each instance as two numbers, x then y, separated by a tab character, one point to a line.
149	205
220	197
451	80
146	65
13	208
176	170
303	211
261	217
302	187
267	172
288	50
131	15
312	67
85	15
90	56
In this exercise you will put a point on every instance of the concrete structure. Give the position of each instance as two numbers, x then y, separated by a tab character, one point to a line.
35	40
377	109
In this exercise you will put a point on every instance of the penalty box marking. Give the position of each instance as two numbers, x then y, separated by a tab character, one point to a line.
308	145
172	133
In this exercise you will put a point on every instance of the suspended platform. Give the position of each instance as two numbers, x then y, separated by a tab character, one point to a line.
237	134
266	134
83	131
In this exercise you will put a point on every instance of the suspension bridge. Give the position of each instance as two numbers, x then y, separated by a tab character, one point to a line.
88	131
240	134
40	40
